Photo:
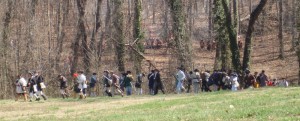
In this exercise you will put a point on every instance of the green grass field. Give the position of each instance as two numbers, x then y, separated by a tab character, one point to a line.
259	104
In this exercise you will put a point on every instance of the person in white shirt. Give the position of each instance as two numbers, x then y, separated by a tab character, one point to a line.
82	84
234	81
180	76
21	88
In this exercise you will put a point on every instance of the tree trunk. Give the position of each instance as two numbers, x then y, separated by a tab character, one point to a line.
81	34
29	53
96	27
85	49
294	25
250	6
235	58
118	33
49	10
298	56
242	5
5	37
107	35
190	18
280	34
298	42
153	4
253	17
221	36
166	21
179	32
138	35
63	7
217	64
236	17
210	21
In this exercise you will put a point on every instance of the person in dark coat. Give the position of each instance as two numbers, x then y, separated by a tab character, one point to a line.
93	82
262	79
249	79
151	82
63	86
158	85
128	83
107	83
40	85
32	87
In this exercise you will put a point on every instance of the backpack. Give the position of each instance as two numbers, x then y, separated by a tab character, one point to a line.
93	80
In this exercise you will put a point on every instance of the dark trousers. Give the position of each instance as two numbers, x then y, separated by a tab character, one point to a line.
188	88
158	86
205	87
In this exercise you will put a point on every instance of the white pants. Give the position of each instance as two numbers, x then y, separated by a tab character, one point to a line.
233	88
40	93
139	91
179	87
31	94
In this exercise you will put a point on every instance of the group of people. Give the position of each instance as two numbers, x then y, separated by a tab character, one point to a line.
222	80
34	86
111	82
210	46
125	83
153	43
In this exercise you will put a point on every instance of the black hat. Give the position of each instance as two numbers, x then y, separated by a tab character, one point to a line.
247	71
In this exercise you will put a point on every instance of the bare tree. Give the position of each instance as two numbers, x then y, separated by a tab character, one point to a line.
62	12
5	36
280	31
81	34
210	20
298	42
138	35
96	26
235	58
30	32
253	17
182	42
294	24
118	34
236	16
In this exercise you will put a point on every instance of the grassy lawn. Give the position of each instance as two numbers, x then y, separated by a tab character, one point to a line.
259	104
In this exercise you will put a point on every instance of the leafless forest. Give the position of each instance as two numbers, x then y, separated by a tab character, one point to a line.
63	36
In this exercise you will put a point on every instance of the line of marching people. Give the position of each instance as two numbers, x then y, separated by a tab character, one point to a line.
125	83
34	86
222	80
111	82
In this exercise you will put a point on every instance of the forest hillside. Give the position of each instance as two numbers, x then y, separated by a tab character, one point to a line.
64	36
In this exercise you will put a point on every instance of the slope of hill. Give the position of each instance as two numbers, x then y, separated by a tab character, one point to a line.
258	104
265	47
